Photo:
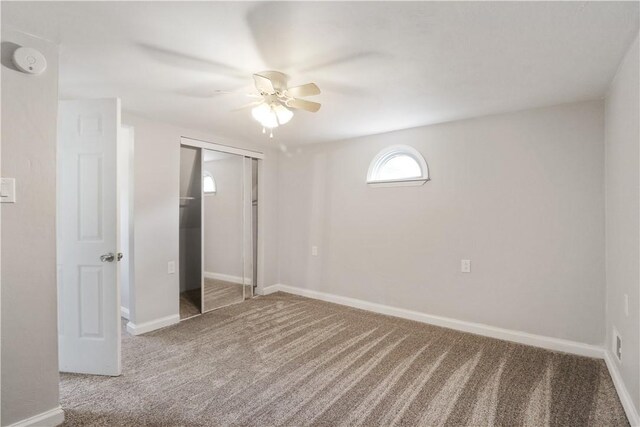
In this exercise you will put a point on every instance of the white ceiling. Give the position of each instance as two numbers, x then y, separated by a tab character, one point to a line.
381	66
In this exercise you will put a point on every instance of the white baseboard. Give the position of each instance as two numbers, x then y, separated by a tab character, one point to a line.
549	343
51	418
266	290
626	399
143	328
227	278
124	312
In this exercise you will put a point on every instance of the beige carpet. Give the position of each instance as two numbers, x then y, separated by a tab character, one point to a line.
190	303
217	294
292	361
220	293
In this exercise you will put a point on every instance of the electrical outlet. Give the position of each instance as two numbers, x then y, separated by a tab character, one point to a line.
8	190
617	344
314	250
171	267
465	266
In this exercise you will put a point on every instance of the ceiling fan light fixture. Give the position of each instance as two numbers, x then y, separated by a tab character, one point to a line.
278	101
265	115
270	121
283	114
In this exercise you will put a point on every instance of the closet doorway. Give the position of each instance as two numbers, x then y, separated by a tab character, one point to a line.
218	226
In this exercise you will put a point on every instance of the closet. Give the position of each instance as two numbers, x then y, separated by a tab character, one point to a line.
218	226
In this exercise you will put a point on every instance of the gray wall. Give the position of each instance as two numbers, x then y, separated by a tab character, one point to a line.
157	177
29	316
623	216
519	194
223	218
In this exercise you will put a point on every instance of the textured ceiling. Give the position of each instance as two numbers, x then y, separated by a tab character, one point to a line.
381	66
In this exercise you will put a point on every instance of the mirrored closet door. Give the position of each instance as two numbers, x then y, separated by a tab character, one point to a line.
226	198
223	226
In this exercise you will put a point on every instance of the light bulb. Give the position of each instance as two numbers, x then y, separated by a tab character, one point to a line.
260	111
264	114
269	121
283	113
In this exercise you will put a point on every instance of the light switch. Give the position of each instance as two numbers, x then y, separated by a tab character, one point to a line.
171	267
8	190
465	266
626	305
314	250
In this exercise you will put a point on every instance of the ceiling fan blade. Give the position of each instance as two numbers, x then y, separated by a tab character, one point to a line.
191	62
230	92
247	106
205	92
343	60
343	89
225	92
309	89
263	84
301	104
270	25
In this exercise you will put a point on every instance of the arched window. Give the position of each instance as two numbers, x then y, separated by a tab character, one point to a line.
208	183
398	165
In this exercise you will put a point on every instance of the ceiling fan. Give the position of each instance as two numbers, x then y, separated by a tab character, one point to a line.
277	99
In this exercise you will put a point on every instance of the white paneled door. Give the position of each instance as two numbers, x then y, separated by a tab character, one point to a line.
88	291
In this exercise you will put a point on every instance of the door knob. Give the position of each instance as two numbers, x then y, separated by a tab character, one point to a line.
107	257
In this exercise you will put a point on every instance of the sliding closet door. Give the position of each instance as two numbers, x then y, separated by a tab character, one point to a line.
247	228
223	229
250	226
254	222
190	231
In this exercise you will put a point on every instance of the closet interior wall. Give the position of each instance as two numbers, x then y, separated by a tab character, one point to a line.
190	231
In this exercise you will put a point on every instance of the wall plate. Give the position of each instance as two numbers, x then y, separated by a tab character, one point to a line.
616	344
7	190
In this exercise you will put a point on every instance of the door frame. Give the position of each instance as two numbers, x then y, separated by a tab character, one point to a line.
198	143
126	142
207	145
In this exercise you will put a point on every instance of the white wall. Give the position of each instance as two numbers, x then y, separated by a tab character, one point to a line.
157	174
29	313
223	218
520	195
622	115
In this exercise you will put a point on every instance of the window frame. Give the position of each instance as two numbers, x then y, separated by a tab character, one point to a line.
387	154
206	174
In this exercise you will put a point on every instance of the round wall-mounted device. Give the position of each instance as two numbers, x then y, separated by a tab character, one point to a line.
29	60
